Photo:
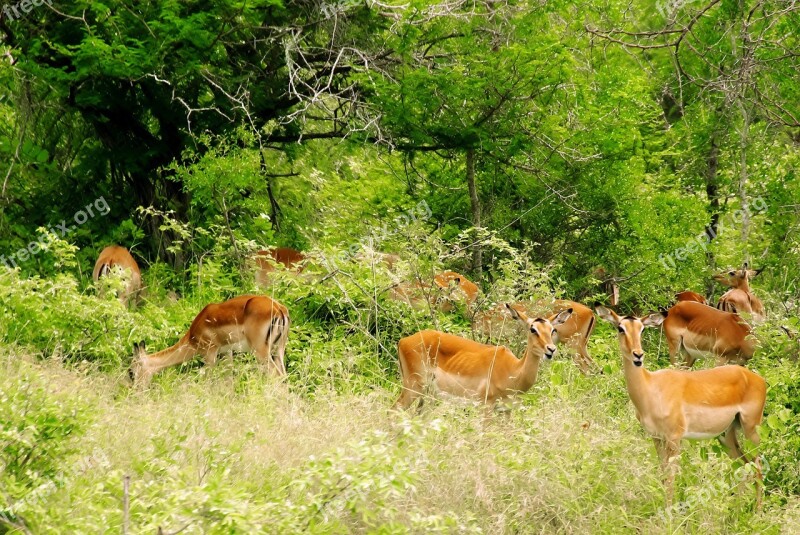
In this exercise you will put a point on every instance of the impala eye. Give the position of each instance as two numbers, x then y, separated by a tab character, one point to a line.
620	329
534	331
732	273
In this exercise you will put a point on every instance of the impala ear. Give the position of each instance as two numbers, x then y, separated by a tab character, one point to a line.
653	320
138	349
606	314
753	272
516	314
561	317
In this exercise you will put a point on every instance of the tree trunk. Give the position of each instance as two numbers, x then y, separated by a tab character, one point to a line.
712	192
745	209
275	208
477	255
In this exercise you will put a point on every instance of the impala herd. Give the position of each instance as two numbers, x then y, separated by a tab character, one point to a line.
671	404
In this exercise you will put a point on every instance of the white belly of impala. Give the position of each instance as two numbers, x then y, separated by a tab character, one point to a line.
234	342
458	385
704	422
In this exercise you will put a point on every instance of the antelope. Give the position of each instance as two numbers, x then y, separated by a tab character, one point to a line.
115	256
688	295
675	404
466	368
447	287
268	259
372	257
700	329
739	298
460	286
574	332
245	323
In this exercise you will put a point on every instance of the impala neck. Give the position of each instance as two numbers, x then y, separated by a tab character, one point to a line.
528	368
166	357
637	380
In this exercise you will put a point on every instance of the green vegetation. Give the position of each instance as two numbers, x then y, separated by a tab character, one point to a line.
543	149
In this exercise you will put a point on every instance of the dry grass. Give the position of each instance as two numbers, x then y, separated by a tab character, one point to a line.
568	458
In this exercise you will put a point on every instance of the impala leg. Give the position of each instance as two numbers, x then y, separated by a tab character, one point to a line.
674	345
413	388
579	356
667	453
749	426
210	357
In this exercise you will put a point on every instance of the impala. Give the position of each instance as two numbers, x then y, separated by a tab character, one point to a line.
699	330
246	323
574	333
688	295
114	258
372	257
677	404
457	288
466	368
268	259
739	298
447	288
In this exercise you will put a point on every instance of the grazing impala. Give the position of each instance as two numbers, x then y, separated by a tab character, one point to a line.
688	295
574	333
268	259
739	298
699	329
246	323
466	368
677	404
118	257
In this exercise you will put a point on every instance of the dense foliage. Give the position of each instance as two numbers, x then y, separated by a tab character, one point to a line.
545	149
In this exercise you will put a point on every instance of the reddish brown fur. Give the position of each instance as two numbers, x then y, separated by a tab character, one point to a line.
267	259
447	279
695	328
688	295
248	322
497	324
117	256
467	368
675	404
740	298
447	287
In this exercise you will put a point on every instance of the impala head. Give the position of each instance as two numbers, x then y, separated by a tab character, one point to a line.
630	331
737	278
540	330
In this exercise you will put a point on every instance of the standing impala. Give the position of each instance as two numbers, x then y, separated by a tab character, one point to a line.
677	404
246	323
699	330
466	368
739	298
117	257
574	333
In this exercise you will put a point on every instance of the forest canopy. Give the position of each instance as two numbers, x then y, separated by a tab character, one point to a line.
605	137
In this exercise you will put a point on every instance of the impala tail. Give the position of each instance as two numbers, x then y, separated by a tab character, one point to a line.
277	335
